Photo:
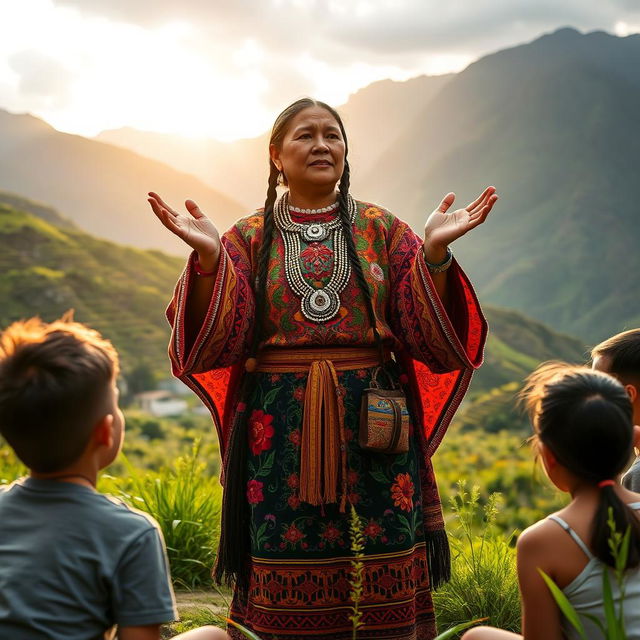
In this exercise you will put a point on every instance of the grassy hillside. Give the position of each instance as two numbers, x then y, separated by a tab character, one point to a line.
121	291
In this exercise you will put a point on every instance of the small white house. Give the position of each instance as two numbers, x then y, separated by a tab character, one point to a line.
161	404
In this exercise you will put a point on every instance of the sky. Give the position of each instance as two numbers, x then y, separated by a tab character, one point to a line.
225	68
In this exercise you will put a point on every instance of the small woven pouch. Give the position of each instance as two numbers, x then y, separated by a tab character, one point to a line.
384	418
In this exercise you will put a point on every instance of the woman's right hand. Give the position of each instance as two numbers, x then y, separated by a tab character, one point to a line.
194	228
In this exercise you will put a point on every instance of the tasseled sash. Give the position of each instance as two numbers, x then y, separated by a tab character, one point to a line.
323	450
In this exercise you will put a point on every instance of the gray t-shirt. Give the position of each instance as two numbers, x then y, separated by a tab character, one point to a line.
74	562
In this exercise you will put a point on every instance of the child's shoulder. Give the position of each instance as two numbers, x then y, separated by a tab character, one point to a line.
126	516
537	535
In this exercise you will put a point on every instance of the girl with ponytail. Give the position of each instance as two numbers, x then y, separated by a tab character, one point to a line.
583	427
279	327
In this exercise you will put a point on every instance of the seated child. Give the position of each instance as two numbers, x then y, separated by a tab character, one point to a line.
73	562
584	436
620	357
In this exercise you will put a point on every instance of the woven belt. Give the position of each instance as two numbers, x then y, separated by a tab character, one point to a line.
323	450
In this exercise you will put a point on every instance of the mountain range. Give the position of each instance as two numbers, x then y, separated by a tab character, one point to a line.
550	123
100	187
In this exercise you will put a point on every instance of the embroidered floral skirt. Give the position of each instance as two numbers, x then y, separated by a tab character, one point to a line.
300	554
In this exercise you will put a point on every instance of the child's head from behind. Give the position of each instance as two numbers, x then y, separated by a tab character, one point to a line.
583	420
57	381
583	417
620	356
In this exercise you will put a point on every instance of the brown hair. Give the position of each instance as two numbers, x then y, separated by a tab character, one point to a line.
623	353
55	384
584	417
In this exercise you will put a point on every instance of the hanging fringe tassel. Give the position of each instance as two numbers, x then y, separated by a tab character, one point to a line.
322	426
231	564
438	557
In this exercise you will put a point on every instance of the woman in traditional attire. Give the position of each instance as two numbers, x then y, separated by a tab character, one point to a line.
279	327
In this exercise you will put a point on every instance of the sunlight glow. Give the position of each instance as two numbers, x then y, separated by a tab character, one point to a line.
624	29
84	74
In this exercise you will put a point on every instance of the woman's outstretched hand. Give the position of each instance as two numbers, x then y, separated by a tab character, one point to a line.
443	228
192	227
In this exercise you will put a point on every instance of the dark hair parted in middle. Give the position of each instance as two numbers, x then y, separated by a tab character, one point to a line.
584	417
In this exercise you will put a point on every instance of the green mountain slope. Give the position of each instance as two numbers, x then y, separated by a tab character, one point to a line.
48	214
46	270
552	124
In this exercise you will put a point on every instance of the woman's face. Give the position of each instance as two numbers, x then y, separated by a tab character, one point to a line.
312	152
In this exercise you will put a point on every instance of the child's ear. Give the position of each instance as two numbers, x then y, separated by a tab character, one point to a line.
632	391
549	459
103	431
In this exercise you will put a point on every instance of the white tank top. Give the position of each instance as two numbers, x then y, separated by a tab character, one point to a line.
585	592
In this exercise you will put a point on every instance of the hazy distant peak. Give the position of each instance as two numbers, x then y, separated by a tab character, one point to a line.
24	120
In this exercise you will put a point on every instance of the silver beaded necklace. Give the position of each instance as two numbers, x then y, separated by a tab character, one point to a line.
322	304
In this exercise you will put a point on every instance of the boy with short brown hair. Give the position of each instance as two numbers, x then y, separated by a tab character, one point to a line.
73	562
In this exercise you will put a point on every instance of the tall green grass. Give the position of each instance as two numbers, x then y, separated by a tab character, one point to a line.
186	502
483	574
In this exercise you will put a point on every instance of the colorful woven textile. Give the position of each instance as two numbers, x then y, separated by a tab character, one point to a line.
300	553
299	588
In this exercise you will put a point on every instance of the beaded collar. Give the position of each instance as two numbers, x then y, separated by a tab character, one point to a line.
314	212
322	304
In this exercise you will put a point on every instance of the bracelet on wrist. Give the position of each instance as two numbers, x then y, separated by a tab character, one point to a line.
439	267
199	270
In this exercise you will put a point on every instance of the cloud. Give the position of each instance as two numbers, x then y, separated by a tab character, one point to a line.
42	77
226	67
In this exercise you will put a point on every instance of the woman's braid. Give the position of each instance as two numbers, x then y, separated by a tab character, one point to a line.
263	258
356	265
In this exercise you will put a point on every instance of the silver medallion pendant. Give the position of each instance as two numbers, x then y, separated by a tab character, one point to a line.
320	305
315	232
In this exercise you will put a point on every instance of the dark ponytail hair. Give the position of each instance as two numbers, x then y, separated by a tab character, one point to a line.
584	417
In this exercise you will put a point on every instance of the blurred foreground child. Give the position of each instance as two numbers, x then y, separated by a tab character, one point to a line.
620	356
584	436
73	562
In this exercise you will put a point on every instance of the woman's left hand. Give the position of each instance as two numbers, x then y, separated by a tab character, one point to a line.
443	228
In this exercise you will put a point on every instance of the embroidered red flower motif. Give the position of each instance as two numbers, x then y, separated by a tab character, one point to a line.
331	533
260	431
293	481
294	437
317	260
293	535
402	492
361	373
298	394
373	529
254	491
352	477
275	377
293	501
353	498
